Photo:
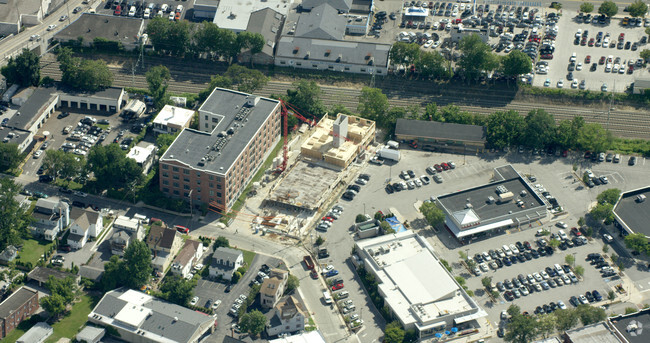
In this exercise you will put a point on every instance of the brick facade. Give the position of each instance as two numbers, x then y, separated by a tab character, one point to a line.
16	308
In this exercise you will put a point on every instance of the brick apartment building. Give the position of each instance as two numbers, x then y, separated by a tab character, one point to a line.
16	308
237	131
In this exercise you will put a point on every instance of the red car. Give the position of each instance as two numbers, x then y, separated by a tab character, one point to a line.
621	36
329	219
313	274
575	231
601	60
444	166
630	70
181	229
547	56
587	154
588	59
527	245
438	168
337	286
118	10
178	16
591	42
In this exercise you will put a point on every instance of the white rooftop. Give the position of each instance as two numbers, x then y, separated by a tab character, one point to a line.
133	315
172	115
407	270
306	337
234	14
141	154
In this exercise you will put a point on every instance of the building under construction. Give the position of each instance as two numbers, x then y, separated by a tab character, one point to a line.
324	156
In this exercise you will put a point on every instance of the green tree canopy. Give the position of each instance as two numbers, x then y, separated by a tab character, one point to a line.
505	128
556	5
593	137
565	319
112	168
253	322
23	69
137	264
10	156
638	8
158	80
637	242
609	196
163	141
432	213
540	129
172	37
586	7
608	8
476	56
393	333
220	242
521	329
217	81
431	64
178	290
589	314
373	104
292	284
516	63
645	54
602	212
13	218
404	53
247	80
62	164
215	42
250	41
306	97
83	74
54	304
568	131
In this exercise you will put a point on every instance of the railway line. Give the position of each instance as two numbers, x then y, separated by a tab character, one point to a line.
185	79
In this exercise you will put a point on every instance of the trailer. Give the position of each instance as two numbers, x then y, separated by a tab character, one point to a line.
389	154
309	262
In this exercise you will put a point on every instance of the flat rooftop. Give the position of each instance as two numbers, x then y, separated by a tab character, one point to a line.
174	116
125	30
478	198
635	215
399	261
598	332
234	14
305	185
633	327
191	146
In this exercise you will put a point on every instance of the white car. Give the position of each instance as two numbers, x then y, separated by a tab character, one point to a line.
573	57
562	224
544	275
435	44
560	83
428	44
38	153
538	277
561	305
172	15
354	316
215	304
418	183
608	238
574	84
484	267
583	299
514	249
80	194
194	301
51	27
579	66
328	268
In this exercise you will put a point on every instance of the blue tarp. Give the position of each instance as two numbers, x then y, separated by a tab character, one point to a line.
395	224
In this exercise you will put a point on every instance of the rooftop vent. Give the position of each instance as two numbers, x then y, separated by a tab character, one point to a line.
307	55
296	49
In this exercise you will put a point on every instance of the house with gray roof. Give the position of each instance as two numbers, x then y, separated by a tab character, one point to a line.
340	5
51	217
323	22
225	261
95	28
139	317
90	334
40	275
120	241
287	316
267	22
85	224
186	258
8	254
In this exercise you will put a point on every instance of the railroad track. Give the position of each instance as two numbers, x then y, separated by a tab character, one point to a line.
185	79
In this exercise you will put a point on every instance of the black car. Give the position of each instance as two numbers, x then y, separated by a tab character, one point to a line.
77	203
542	251
228	288
65	190
45	178
498	262
348	195
574	301
63	115
355	188
521	258
549	251
534	253
389	189
411	173
528	255
520	246
364	177
501	332
478	258
631	161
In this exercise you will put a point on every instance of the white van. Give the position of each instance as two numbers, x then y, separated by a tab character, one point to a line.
562	234
327	297
558	269
506	250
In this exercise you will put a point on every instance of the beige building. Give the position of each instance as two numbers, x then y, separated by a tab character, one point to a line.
273	288
339	141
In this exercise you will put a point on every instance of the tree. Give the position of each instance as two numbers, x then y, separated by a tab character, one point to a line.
565	319
292	284
10	156
521	329
137	264
393	333
13	218
247	80
593	137
609	196
645	53
217	81
516	63
432	65
24	69
556	5
602	212
164	140
251	42
453	114
554	243
386	228
83	74
306	98
171	37
580	270
319	240
586	7
638	8
404	53
54	305
486	281
431	113
581	221
158	81
63	287
569	259
253	322
178	290
338	108
568	131
608	8
62	164
112	168
373	104
504	128
513	310
221	242
432	213
546	324
637	242
360	218
215	42
540	129
476	56
589	314
113	274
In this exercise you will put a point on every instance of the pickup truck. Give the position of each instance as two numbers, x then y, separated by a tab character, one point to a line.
309	262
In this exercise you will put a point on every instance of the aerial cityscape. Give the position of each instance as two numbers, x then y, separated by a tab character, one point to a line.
184	171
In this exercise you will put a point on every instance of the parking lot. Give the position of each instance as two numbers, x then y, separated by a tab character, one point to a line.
147	9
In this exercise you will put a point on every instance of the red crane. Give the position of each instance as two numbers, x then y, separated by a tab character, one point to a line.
285	109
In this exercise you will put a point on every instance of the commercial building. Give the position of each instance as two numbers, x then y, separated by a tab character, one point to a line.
139	317
641	85
339	141
508	202
14	14
237	132
417	289
103	31
629	328
17	307
172	119
599	332
235	14
438	136
267	22
632	212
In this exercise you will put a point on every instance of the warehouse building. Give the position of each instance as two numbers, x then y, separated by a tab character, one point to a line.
490	209
237	132
103	31
438	136
632	212
405	267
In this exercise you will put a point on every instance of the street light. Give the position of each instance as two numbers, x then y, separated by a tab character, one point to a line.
574	260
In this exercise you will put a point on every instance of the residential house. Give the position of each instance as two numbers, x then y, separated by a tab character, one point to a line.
119	242
144	155
51	217
17	307
287	316
273	287
225	261
190	254
8	255
130	225
164	243
85	224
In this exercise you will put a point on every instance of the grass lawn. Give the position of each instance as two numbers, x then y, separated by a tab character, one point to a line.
33	250
70	325
68	184
248	257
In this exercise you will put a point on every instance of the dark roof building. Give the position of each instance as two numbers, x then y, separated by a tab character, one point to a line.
268	23
632	328
127	31
491	208
237	132
139	317
340	5
17	307
632	212
41	274
598	332
433	135
323	22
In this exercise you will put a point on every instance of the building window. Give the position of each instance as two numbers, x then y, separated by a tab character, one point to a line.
198	182
165	174
198	190
215	120
175	177
175	169
218	186
363	69
211	177
186	172
175	192
165	182
198	197
186	194
206	117
176	184
346	68
298	63
315	65
211	193
198	174
219	194
283	62
186	187
165	166
186	179
330	67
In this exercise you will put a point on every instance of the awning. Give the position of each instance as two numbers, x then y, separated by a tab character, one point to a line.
485	228
464	319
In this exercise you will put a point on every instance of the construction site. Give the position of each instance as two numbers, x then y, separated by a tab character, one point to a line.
312	175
